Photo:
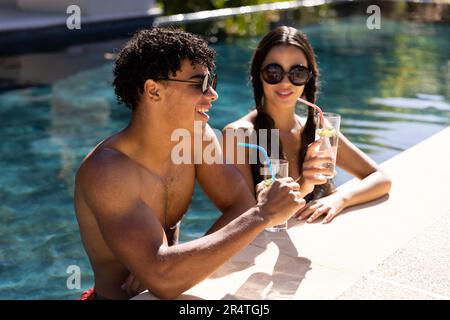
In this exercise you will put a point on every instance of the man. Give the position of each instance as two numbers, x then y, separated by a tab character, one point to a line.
130	195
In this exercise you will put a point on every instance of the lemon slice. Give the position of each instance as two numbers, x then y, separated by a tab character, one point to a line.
267	183
327	132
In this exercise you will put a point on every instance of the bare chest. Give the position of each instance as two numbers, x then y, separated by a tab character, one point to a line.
171	196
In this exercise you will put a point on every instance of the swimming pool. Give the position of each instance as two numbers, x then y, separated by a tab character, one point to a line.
391	86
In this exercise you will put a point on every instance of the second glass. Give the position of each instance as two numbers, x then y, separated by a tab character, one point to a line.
280	169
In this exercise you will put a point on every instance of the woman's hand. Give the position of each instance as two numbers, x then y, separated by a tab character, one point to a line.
330	206
312	167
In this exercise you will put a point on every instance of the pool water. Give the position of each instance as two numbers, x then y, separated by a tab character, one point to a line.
391	86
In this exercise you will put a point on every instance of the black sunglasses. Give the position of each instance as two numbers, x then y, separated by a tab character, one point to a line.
207	82
274	73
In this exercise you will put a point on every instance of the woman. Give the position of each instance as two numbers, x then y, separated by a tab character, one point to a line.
284	68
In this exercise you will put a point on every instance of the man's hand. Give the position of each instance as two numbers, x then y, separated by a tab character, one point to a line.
279	201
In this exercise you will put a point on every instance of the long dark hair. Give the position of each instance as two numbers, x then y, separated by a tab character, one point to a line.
284	36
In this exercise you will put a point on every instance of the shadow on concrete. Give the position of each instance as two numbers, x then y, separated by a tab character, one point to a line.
284	281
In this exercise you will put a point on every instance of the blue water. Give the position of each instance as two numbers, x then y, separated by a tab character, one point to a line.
391	86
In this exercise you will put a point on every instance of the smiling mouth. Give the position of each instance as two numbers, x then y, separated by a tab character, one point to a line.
203	113
284	94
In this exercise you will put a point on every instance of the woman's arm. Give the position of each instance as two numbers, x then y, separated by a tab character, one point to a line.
373	184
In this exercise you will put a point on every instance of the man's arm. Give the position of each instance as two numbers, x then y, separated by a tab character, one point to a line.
133	232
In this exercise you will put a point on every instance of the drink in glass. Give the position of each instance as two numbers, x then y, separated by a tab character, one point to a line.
280	169
330	138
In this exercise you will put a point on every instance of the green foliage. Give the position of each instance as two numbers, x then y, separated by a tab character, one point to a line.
184	6
245	25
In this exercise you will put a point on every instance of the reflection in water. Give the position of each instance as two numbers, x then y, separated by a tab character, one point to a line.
39	69
422	102
411	61
78	109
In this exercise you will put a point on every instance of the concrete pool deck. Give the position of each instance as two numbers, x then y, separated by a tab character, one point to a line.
397	247
13	19
23	30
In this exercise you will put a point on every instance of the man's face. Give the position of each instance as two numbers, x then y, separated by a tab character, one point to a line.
186	102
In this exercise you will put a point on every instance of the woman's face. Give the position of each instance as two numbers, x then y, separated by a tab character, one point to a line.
284	93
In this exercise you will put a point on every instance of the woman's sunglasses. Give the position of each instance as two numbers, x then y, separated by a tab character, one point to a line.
207	82
274	73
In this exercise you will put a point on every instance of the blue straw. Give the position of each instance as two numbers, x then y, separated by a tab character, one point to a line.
264	152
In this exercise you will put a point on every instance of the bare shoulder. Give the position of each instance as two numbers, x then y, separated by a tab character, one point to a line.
246	122
108	177
106	163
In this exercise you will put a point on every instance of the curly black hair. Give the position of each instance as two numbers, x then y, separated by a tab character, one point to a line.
152	54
